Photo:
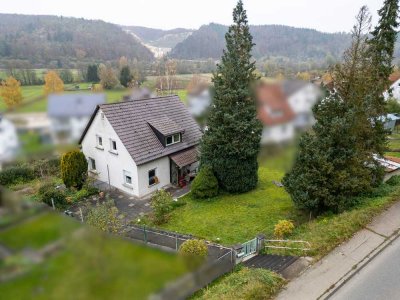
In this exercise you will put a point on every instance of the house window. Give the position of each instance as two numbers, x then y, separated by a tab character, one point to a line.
113	145
92	164
99	141
173	139
127	178
152	177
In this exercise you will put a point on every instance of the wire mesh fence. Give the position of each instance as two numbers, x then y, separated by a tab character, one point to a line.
171	240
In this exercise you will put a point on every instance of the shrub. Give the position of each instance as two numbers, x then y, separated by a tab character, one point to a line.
205	185
104	216
394	180
74	169
46	167
48	191
283	228
194	252
17	174
162	205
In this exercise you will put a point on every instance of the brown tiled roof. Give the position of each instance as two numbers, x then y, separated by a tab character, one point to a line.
130	121
185	157
273	107
165	125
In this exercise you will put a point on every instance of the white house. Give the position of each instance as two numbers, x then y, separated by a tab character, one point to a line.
9	143
275	113
302	96
394	89
140	146
199	102
69	115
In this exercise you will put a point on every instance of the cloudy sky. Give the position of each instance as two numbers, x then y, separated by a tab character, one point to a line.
324	15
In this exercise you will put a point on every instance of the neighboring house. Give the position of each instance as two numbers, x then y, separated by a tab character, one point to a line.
302	96
69	114
275	113
9	144
390	121
199	101
391	165
140	146
140	93
394	89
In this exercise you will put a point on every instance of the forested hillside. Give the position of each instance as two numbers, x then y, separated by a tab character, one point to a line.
45	41
158	37
270	40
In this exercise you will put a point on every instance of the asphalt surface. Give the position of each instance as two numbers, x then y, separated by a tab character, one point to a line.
379	279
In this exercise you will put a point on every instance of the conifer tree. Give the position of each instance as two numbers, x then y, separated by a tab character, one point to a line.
231	143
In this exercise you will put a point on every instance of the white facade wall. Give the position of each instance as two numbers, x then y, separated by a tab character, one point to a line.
302	103
395	87
9	143
72	129
278	133
110	167
162	167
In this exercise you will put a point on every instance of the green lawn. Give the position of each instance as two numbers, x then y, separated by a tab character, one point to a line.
90	265
37	232
231	219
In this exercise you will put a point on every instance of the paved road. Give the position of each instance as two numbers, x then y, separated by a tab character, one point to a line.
379	279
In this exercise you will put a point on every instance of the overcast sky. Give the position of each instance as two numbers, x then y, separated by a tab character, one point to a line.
324	15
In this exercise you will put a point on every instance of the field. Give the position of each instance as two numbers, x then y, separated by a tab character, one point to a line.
35	95
88	265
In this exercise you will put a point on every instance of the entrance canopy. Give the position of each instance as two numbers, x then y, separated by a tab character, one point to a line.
185	157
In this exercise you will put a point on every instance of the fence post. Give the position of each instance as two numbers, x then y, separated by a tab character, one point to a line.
144	233
176	241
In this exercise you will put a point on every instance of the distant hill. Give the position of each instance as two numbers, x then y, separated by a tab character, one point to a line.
270	40
158	37
64	42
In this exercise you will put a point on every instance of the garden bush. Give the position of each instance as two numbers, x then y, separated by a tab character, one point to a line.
17	174
48	191
194	252
162	205
283	228
205	185
394	180
46	167
74	169
104	216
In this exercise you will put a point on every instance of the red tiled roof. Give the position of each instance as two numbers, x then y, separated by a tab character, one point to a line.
273	107
394	77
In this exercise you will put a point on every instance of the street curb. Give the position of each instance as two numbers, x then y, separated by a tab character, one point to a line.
359	266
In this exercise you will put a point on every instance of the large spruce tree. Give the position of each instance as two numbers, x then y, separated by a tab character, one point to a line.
336	161
231	143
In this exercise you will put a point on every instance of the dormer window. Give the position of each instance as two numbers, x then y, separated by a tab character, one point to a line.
173	139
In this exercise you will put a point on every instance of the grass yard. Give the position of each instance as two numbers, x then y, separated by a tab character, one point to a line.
231	219
90	265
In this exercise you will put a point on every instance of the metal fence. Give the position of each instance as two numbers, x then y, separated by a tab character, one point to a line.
171	240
